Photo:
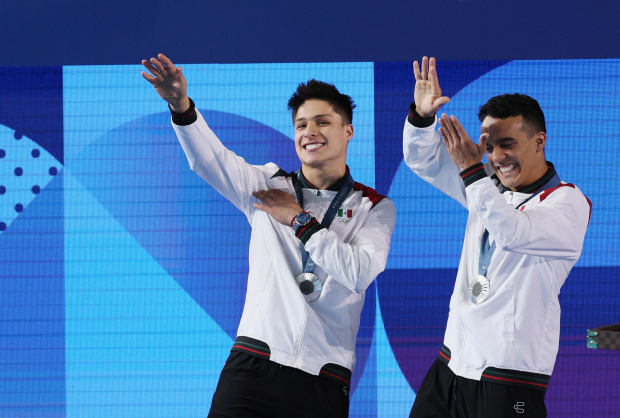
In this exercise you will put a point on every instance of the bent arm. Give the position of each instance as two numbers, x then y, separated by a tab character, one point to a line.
553	228
427	156
356	264
225	171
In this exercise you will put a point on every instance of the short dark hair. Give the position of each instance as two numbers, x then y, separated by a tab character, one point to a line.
508	105
319	90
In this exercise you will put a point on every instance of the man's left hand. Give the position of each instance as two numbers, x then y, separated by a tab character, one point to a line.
463	151
280	205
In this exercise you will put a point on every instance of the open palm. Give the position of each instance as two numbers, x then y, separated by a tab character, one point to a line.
168	80
427	93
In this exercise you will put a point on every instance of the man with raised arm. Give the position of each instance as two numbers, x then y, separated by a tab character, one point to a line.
524	233
318	241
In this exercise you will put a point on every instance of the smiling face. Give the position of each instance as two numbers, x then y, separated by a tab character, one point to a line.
516	156
321	138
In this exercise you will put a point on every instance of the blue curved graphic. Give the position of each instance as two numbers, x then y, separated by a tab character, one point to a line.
140	175
123	273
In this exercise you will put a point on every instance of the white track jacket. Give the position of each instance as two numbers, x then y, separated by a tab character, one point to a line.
513	336
277	323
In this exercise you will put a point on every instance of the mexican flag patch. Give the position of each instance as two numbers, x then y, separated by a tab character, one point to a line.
345	213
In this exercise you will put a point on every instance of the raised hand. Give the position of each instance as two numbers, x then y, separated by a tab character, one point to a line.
280	205
168	80
427	93
463	151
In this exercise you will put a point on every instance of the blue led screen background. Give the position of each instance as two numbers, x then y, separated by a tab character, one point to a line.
122	274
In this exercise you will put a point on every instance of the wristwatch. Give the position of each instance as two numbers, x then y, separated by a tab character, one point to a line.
301	219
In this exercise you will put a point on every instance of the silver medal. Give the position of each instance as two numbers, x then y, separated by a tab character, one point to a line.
479	289
310	286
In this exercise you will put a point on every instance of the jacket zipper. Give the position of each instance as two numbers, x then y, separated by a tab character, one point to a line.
301	344
462	350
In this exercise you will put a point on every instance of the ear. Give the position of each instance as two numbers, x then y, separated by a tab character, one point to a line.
541	141
349	132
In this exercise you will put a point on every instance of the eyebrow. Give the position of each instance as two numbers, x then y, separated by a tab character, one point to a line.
313	117
501	140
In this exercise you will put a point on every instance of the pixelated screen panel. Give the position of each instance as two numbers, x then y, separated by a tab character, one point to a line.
124	273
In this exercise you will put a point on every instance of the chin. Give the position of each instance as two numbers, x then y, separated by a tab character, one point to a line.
512	182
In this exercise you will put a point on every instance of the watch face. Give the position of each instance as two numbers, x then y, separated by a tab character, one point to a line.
303	218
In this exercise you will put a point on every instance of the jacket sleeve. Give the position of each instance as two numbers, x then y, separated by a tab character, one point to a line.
357	263
427	156
225	171
555	227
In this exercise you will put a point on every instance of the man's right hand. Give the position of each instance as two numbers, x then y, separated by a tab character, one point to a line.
169	82
427	94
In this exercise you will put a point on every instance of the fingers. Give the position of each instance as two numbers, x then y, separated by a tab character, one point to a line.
445	133
260	206
148	77
459	128
445	138
166	61
426	71
482	147
263	196
157	64
149	66
432	76
270	196
424	68
438	103
416	71
449	129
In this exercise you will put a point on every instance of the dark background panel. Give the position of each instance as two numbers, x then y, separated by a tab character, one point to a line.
32	105
392	103
71	32
32	311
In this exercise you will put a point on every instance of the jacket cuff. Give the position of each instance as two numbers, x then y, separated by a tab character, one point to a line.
305	233
418	121
186	118
473	174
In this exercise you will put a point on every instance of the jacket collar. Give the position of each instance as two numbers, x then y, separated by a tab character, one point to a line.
334	187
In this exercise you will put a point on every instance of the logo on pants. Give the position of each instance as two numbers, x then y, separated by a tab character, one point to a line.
519	407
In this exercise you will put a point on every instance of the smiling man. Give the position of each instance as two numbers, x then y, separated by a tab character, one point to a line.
318	241
524	234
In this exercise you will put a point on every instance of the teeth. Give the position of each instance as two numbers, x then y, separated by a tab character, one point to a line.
313	146
507	169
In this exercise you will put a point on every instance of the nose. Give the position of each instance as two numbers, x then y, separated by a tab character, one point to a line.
311	130
498	154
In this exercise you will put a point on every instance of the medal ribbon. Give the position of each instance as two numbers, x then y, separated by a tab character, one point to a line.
337	201
486	250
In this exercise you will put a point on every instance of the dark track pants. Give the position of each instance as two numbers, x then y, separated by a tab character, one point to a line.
443	394
253	387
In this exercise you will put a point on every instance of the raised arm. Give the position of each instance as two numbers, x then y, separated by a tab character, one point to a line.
425	153
226	172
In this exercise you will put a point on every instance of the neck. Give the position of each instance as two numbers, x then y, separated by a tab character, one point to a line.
323	178
537	175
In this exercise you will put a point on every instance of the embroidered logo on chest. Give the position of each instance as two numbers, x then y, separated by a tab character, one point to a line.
344	216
